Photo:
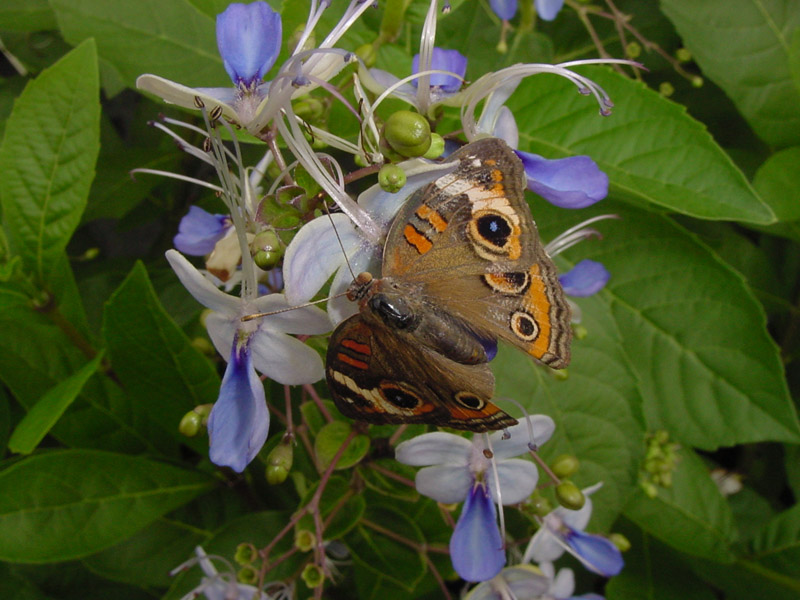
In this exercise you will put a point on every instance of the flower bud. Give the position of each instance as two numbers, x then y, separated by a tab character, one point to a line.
279	463
565	465
309	109
304	540
190	424
204	345
267	249
312	575
579	331
560	374
368	54
683	55
391	178
633	50
408	133
245	554
620	541
247	575
539	504
569	495
666	89
437	147
697	81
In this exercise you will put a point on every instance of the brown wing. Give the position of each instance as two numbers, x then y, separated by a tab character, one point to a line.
471	242
373	377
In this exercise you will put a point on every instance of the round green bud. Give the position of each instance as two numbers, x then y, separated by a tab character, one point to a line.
560	375
408	133
204	345
437	147
204	410
391	178
279	463
247	575
368	53
683	55
309	108
633	50
502	46
245	554
267	259
666	89
697	81
297	35
304	540
565	466
360	161
267	249
569	495
620	541
579	331
649	488
190	424
312	575
539	504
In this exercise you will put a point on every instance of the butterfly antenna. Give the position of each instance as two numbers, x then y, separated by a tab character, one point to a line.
288	308
341	245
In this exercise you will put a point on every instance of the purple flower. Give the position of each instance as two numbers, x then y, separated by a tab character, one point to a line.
199	231
476	548
572	182
505	9
548	9
249	40
444	60
584	279
239	421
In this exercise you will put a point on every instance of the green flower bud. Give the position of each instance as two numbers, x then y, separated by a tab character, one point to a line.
368	53
579	331
267	249
190	424
247	575
408	133
666	89
620	541
304	540
633	50
204	345
312	575
697	81
560	375
569	495
683	55
279	463
309	109
539	504
391	178
437	147
266	260
360	161
565	466
245	554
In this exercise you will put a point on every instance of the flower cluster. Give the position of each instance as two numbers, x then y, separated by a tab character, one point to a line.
276	249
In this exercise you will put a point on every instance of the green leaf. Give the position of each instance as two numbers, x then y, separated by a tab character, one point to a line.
5	421
654	572
382	476
179	44
67	504
744	46
691	330
47	158
383	555
155	361
41	418
777	546
26	15
145	558
778	183
746	580
331	437
652	151
691	516
792	458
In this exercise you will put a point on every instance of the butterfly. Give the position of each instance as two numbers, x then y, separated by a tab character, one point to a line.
463	266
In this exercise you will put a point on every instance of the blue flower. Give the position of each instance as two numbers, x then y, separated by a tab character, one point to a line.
216	586
572	182
563	530
546	9
249	40
458	470
584	279
444	60
199	231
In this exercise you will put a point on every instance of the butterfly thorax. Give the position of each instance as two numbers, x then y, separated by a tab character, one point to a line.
402	307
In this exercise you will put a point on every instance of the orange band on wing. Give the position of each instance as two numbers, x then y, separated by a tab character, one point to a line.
358	364
357	347
539	304
433	217
416	239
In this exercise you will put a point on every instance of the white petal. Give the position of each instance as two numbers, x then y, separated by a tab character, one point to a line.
517	477
444	483
285	359
543	547
377	81
563	584
175	93
306	320
364	259
221	330
437	448
202	289
314	255
543	428
493	107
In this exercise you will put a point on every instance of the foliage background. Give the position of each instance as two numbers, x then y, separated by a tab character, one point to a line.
696	333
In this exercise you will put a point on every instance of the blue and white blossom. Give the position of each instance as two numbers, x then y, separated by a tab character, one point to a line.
562	530
199	231
546	9
584	279
516	582
481	473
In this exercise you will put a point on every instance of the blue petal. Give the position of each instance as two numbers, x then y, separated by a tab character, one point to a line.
598	553
249	40
584	279
505	9
444	60
587	597
199	231
476	548
548	9
239	421
573	182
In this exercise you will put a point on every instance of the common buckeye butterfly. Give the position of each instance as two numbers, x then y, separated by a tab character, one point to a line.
463	266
